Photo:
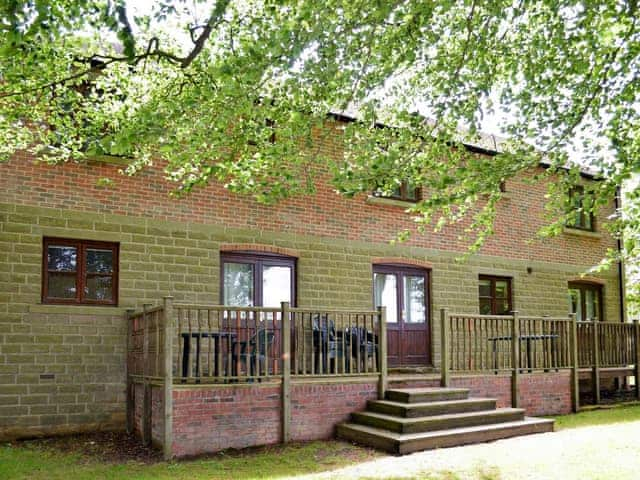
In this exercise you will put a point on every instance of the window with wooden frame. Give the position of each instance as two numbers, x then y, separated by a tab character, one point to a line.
585	300
257	279
79	272
495	295
580	216
404	192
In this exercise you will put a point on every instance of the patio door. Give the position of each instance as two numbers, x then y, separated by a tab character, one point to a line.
404	291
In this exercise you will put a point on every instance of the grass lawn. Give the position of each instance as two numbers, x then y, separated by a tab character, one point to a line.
25	461
40	460
600	416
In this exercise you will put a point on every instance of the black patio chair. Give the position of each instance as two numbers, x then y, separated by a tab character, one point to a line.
330	345
254	352
363	344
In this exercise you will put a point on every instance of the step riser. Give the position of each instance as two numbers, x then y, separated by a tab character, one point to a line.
427	410
453	440
388	445
428	425
469	438
431	397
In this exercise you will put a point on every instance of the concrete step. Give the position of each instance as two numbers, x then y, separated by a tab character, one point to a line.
423	409
403	443
437	422
420	395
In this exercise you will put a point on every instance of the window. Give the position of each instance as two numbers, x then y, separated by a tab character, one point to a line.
79	272
495	295
579	214
259	280
585	300
404	192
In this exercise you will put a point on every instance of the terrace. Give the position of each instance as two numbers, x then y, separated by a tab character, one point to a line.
207	377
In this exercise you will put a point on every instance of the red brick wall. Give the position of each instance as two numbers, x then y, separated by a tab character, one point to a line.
546	394
75	187
213	418
540	393
317	409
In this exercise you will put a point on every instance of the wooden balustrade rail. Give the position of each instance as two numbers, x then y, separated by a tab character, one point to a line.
512	343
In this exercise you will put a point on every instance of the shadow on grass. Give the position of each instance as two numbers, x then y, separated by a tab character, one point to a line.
34	461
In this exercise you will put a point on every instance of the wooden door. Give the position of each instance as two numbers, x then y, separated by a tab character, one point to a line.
404	291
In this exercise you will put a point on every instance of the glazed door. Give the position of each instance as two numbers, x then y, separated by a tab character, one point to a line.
404	291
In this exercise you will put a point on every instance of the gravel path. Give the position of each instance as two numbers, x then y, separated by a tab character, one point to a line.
600	452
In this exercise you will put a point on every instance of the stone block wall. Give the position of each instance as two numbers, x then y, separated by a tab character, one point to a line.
62	367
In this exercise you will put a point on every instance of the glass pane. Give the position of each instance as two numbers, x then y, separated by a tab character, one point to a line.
412	192
61	285
99	261
575	303
61	258
592	305
502	306
485	288
99	288
502	288
276	285
485	306
414	301
238	284
385	291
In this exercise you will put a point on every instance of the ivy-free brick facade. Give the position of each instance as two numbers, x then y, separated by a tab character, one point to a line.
62	367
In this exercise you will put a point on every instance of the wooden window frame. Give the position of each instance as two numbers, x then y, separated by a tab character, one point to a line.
493	279
259	260
81	274
582	215
404	193
583	287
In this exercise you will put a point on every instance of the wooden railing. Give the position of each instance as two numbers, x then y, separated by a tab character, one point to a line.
515	344
184	344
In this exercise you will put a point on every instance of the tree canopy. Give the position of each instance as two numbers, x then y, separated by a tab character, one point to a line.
205	86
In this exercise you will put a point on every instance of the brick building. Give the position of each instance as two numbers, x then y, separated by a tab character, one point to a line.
75	255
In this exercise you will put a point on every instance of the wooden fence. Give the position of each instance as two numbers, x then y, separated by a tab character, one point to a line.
182	344
515	344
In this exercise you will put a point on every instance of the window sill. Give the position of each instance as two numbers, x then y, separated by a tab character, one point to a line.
389	202
581	233
77	309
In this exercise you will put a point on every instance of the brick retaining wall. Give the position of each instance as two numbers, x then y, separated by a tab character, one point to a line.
212	418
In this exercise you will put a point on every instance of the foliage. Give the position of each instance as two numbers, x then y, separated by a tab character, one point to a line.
206	86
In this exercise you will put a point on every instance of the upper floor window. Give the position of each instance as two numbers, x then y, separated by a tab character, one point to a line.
252	279
79	272
404	192
495	295
580	215
585	300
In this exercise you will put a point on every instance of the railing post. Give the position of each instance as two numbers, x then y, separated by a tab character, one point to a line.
636	325
382	383
146	402
575	364
130	389
286	370
595	345
445	373
167	444
515	359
